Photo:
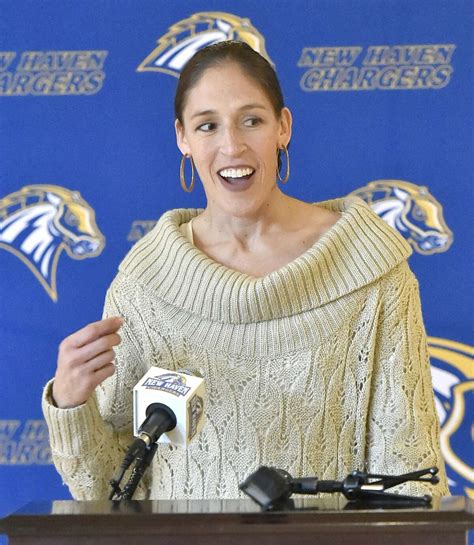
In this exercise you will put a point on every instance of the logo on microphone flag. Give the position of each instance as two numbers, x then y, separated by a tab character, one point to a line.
170	383
195	412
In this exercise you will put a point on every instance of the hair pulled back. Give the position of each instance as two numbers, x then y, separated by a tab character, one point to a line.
252	64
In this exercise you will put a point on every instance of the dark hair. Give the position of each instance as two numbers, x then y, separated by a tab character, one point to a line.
251	62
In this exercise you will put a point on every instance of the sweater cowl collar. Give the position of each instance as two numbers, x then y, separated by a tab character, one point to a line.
359	249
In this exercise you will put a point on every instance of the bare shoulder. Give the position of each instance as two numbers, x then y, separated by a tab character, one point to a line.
326	218
318	220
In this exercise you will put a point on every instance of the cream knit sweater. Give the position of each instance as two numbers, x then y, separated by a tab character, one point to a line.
319	368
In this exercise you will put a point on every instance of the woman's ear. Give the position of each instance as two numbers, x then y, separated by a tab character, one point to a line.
181	138
286	122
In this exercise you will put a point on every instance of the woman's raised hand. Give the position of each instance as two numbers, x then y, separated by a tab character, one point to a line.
85	359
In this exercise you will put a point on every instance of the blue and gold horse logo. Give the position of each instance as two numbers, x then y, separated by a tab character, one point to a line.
189	35
412	211
452	369
38	222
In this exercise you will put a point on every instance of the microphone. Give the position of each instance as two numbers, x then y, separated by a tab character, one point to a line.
271	487
168	407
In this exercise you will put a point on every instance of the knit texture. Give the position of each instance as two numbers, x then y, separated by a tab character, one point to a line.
318	368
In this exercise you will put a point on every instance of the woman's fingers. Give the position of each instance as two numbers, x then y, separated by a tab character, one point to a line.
85	359
93	349
105	372
99	361
93	331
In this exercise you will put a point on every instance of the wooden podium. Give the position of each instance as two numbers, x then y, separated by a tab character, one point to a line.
237	522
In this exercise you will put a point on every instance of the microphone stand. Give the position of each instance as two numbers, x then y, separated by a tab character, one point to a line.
159	420
271	488
143	460
141	466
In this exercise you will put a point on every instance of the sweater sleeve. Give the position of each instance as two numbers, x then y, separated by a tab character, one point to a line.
88	442
403	427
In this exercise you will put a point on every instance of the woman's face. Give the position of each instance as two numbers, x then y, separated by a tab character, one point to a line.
232	133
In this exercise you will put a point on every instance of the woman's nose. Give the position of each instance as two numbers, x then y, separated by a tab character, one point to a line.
232	142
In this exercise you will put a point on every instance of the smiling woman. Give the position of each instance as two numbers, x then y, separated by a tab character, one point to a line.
232	123
234	145
304	319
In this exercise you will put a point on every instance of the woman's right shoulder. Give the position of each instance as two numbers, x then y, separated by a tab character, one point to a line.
147	252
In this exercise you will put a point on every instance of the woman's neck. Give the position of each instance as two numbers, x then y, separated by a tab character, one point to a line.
279	215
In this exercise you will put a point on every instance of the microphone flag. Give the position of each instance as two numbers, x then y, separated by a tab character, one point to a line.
181	392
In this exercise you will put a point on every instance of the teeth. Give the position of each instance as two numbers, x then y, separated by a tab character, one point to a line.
235	172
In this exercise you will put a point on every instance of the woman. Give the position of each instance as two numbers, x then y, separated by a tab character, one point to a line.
304	319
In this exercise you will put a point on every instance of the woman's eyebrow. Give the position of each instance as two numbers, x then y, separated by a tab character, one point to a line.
204	112
252	106
242	108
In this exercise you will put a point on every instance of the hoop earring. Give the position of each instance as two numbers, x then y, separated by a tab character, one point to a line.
181	174
287	175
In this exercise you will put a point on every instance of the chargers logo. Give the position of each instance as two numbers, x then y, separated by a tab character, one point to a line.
189	35
195	413
452	369
412	211
38	222
171	383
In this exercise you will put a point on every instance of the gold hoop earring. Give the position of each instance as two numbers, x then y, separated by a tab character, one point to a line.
287	175
181	174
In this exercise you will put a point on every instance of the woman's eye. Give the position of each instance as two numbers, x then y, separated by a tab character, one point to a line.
252	121
206	127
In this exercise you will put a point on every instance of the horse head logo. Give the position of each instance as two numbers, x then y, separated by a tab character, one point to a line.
38	222
453	384
412	211
172	378
187	36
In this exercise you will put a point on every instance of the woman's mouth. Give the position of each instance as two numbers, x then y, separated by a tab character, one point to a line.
236	179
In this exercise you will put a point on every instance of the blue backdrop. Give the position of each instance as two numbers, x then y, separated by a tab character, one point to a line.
380	91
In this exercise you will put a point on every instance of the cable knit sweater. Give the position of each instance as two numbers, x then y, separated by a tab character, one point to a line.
319	368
